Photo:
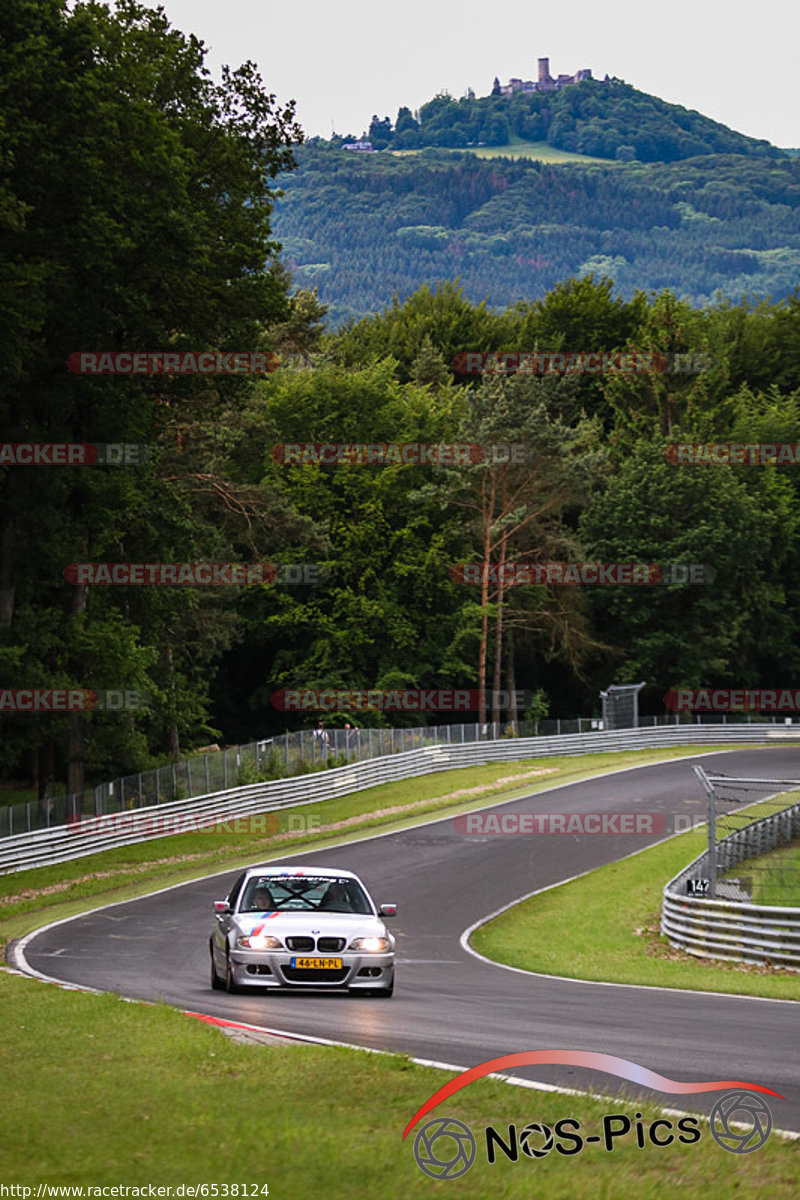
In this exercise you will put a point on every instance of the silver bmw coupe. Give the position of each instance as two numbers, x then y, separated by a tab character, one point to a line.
301	927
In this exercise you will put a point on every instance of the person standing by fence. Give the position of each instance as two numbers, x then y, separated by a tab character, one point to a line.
321	739
351	742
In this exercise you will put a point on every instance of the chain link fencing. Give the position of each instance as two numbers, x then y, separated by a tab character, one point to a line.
283	756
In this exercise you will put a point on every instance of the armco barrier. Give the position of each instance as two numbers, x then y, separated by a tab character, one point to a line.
731	929
62	843
288	754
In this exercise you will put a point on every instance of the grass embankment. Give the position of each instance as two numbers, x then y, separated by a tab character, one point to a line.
517	147
774	878
540	151
30	898
606	926
105	1092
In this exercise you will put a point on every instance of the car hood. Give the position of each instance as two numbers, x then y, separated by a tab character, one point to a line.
324	924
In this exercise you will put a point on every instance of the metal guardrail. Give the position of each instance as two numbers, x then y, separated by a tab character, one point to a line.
731	929
216	770
288	754
65	842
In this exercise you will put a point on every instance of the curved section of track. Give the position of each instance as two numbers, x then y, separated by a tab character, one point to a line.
451	1006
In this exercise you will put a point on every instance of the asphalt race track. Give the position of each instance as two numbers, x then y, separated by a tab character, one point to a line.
450	1006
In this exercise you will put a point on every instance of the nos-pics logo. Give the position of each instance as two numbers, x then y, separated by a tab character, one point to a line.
445	1148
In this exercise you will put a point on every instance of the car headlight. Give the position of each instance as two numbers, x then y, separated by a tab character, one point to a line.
370	945
258	941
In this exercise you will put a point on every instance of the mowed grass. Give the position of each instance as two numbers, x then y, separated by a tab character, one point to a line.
540	151
774	876
105	1092
519	148
29	898
605	926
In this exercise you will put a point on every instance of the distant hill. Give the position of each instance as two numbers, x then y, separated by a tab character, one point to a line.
603	119
362	227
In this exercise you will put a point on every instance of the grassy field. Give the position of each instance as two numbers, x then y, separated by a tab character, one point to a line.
584	930
105	1092
540	151
518	148
775	876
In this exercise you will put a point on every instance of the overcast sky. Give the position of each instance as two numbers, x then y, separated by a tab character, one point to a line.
343	61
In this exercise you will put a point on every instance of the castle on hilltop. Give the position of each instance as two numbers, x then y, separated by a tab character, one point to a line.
545	82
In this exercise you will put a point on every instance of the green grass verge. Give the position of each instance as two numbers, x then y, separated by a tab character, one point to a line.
774	877
605	926
30	898
104	1093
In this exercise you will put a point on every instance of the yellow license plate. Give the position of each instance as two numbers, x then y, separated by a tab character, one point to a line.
324	964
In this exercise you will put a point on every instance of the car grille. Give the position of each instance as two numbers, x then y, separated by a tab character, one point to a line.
302	944
294	975
326	945
330	945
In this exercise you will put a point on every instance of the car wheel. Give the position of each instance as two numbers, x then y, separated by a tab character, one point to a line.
230	986
216	983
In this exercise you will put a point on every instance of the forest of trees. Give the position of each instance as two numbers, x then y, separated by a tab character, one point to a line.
186	260
607	119
364	228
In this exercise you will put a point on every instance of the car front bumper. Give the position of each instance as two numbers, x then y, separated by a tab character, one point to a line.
272	969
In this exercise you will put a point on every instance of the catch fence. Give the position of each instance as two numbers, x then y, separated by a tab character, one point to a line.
740	899
87	833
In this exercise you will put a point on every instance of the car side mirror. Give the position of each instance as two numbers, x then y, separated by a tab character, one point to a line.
221	906
388	910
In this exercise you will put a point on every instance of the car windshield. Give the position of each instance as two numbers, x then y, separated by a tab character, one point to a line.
303	893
